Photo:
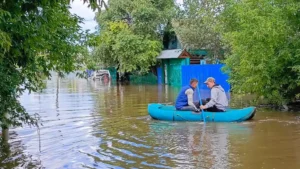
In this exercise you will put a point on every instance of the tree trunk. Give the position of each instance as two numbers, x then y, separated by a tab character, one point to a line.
5	135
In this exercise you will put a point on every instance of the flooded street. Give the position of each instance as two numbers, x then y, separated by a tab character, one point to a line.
89	124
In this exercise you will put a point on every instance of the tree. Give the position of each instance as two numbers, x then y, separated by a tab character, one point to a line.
264	40
196	26
36	37
119	46
131	33
96	4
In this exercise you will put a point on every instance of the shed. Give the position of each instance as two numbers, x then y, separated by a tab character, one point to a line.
172	60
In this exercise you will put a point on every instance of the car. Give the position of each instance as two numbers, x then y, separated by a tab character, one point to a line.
100	74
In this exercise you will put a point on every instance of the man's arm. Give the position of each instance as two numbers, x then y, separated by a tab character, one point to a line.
213	100
190	96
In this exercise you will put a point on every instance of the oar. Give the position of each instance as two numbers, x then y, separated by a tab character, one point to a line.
201	104
169	103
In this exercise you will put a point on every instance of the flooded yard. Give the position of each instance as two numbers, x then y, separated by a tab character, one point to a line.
91	124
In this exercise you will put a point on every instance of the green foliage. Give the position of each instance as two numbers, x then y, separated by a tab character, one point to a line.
263	37
120	47
95	4
36	37
260	38
131	33
145	17
196	26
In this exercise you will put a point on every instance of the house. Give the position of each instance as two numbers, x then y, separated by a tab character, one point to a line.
173	57
171	62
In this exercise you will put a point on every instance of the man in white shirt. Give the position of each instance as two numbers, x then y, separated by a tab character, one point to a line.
185	97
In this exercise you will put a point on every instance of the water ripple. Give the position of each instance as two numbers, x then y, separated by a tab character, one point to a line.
89	124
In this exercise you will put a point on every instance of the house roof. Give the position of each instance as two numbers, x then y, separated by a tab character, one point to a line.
173	53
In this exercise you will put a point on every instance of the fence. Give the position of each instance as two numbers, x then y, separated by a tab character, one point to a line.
202	72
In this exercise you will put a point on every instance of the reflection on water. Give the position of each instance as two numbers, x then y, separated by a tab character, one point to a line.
89	124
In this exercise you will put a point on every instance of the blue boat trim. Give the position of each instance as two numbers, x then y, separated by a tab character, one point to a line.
169	113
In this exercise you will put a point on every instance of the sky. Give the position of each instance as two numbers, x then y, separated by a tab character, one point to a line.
82	10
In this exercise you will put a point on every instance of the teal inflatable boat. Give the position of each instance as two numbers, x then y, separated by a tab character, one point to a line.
169	113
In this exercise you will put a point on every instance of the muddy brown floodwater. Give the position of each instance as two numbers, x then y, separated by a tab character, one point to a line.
89	124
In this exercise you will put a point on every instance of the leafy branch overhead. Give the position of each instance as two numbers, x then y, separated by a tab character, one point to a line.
37	37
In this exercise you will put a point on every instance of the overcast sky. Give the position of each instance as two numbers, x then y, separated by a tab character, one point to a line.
83	11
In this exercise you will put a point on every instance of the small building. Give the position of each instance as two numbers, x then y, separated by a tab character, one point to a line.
171	62
172	41
173	57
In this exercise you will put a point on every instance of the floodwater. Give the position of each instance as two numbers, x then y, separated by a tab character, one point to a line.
89	124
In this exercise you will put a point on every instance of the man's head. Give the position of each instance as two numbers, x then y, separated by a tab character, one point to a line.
210	82
194	83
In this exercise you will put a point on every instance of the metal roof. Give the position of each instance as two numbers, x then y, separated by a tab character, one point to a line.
169	54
